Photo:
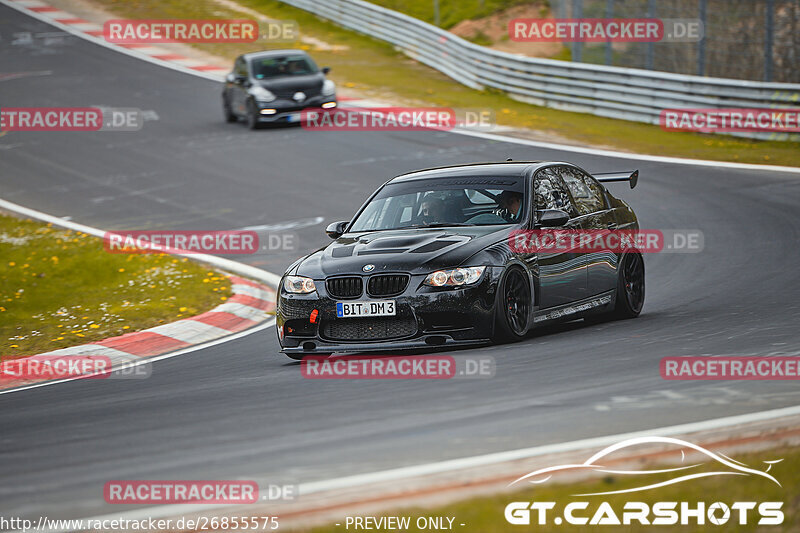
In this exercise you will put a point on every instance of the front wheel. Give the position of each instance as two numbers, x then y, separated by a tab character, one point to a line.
513	307
630	286
227	111
252	116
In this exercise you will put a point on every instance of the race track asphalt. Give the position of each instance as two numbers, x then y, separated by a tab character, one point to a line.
241	409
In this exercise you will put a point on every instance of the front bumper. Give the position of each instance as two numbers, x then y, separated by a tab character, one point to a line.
426	317
289	111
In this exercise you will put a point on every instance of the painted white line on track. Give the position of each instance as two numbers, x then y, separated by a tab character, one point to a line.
429	468
146	360
225	264
479	134
100	41
396	474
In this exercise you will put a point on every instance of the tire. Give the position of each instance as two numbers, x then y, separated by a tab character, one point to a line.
227	111
630	286
513	307
252	116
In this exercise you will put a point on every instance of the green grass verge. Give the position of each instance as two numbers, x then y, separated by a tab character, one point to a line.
486	514
60	288
374	69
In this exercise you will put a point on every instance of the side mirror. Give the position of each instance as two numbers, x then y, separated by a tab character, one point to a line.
325	70
230	78
336	230
551	218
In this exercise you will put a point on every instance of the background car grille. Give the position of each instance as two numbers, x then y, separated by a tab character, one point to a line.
365	329
345	287
387	284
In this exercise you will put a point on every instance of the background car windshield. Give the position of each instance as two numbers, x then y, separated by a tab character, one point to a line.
276	67
460	201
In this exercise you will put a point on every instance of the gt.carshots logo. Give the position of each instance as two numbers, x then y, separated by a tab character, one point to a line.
589	510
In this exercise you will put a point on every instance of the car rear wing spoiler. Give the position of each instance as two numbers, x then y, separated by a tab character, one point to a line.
630	176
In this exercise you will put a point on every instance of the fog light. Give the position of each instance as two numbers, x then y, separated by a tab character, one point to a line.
328	105
268	111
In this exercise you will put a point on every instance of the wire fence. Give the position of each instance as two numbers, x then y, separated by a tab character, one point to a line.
743	39
609	91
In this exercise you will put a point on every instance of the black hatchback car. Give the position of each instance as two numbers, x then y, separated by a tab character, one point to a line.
275	86
430	260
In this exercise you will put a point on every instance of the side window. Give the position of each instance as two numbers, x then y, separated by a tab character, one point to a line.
585	191
551	192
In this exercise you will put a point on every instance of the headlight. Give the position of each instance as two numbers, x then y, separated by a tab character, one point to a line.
261	94
454	278
298	285
328	88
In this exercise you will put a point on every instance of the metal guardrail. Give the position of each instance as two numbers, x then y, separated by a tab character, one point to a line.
614	92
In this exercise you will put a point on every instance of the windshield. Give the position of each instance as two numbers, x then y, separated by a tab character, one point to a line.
467	201
276	67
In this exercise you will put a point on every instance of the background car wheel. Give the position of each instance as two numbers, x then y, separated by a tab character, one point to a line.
630	286
226	110
252	116
513	307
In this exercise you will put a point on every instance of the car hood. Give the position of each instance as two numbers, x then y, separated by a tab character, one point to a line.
311	83
412	250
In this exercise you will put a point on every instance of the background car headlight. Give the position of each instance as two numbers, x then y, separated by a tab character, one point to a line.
328	88
261	94
298	285
454	278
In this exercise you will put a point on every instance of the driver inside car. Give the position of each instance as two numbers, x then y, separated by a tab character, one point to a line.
432	211
509	206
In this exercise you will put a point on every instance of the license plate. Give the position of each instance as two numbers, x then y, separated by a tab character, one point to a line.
371	308
293	117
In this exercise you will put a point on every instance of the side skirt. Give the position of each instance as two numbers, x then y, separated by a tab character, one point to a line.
573	309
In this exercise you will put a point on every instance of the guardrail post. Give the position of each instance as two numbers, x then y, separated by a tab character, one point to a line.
650	54
701	46
769	35
577	46
609	15
436	13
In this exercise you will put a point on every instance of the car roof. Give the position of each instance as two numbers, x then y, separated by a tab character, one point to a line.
272	53
505	168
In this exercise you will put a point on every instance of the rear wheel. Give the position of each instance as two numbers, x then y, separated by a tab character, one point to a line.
630	286
513	307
